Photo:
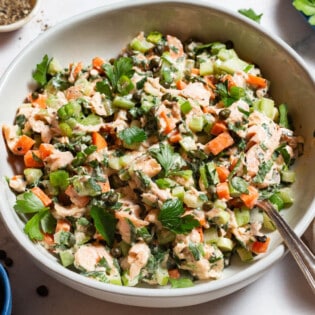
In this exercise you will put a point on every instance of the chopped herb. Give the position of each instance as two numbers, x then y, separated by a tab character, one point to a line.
28	203
132	135
263	170
250	13
40	74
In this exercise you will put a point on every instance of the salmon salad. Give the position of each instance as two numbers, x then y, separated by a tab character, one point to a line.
145	169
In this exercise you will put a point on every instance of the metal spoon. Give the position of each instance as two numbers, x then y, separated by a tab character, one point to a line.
301	253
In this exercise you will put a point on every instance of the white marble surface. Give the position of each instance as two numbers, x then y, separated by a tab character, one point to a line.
281	290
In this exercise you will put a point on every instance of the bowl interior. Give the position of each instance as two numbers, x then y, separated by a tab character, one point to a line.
104	32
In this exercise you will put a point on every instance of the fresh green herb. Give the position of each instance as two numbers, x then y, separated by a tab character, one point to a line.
132	135
250	13
33	227
104	87
307	7
40	75
226	97
29	203
59	178
105	223
240	184
171	217
263	170
169	160
283	116
48	223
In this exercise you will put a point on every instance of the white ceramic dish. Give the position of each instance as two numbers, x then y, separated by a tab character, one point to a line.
103	32
20	23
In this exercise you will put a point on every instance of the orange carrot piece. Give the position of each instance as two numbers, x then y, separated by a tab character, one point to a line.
41	195
250	198
174	273
218	127
195	71
257	81
260	247
49	239
230	80
180	84
175	138
31	161
97	63
63	225
223	173
200	230
45	150
209	80
78	67
223	191
219	143
98	140
23	145
169	125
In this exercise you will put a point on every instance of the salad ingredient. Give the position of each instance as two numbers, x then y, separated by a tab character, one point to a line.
146	168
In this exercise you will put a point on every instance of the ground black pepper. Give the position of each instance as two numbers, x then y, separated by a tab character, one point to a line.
8	261
3	254
13	10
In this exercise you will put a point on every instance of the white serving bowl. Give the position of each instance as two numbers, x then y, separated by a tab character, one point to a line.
104	32
20	23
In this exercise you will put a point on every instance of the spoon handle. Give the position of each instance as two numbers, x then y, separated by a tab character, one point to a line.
301	253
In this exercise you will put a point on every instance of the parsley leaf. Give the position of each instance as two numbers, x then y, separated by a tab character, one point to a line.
223	92
118	73
132	135
40	74
250	13
105	223
33	227
169	160
171	217
263	170
28	203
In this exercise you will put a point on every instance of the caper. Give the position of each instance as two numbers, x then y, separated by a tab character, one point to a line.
154	64
207	206
136	96
115	252
112	198
229	44
115	181
35	95
158	49
224	114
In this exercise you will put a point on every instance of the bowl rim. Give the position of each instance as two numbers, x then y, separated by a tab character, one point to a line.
260	265
18	24
7	301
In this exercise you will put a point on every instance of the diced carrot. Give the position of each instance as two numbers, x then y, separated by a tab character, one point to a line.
169	124
80	201
200	229
219	143
250	198
63	225
175	46
218	127
32	158
45	150
260	247
105	186
49	239
39	101
223	191
195	71
98	140
97	63
256	81
180	84
41	195
209	80
223	173
174	273
23	145
175	138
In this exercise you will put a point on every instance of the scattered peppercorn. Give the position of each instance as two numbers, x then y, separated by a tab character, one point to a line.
3	254
8	261
42	290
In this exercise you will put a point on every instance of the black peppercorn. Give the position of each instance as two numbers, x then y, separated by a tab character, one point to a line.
42	290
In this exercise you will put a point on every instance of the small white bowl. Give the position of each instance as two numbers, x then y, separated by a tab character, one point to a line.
18	24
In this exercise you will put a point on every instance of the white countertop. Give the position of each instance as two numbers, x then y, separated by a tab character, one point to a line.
281	290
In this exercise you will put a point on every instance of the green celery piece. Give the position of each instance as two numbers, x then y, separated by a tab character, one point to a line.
305	6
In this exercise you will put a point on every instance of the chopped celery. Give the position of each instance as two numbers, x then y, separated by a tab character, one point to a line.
268	223
32	175
242	216
288	176
244	254
192	199
221	218
266	106
188	144
283	116
232	65
65	129
206	68
123	102
162	276
225	244
178	192
59	178
66	258
185	107
196	124
210	235
225	54
286	195
141	45
165	236
154	37
277	201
